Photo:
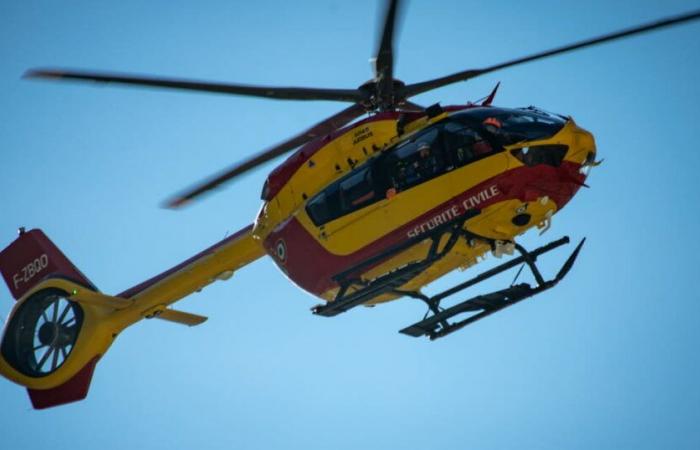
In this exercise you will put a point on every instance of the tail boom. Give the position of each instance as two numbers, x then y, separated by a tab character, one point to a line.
61	325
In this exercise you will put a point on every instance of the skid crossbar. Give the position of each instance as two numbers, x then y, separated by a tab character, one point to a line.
437	324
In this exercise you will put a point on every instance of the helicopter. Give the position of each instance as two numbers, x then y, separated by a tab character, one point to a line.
383	206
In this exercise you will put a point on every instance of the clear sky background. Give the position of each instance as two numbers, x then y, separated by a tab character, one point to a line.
608	359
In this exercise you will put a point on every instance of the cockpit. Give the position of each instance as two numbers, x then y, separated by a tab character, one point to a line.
461	139
510	126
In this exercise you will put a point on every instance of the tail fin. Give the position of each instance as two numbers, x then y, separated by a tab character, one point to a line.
31	258
45	317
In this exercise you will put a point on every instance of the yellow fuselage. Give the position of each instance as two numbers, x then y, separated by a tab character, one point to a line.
500	186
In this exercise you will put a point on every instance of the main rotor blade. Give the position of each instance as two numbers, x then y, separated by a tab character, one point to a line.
384	60
326	126
280	93
417	88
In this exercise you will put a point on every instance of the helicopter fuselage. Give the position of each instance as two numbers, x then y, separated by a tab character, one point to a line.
348	197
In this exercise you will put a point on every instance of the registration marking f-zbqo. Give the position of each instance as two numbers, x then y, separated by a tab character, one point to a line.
30	270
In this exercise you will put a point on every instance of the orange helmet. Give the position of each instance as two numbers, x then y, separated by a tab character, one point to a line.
492	121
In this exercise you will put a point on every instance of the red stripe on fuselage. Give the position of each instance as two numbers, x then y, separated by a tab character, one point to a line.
312	267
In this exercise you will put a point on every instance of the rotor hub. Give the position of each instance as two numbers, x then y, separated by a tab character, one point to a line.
382	95
55	335
48	333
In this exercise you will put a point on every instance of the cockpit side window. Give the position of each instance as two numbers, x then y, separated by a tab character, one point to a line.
464	144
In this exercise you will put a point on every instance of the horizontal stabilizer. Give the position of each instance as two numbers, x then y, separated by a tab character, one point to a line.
181	317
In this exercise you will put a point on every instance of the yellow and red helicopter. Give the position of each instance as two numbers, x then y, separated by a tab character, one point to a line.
362	212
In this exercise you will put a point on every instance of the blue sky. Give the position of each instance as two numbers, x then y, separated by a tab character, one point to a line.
608	359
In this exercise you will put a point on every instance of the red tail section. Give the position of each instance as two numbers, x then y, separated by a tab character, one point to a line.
30	259
71	391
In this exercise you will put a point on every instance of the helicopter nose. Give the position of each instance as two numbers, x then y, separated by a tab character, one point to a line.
583	148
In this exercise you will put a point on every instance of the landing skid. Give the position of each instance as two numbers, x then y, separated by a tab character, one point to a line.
436	324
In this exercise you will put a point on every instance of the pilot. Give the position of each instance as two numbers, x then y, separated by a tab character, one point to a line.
427	164
424	150
492	125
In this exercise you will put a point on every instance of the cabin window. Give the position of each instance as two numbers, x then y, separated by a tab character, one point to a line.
429	154
325	206
318	209
352	192
357	190
551	155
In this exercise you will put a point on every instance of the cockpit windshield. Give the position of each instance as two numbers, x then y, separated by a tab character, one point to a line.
509	126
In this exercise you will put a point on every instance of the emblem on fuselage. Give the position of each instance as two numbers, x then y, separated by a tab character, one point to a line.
281	251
